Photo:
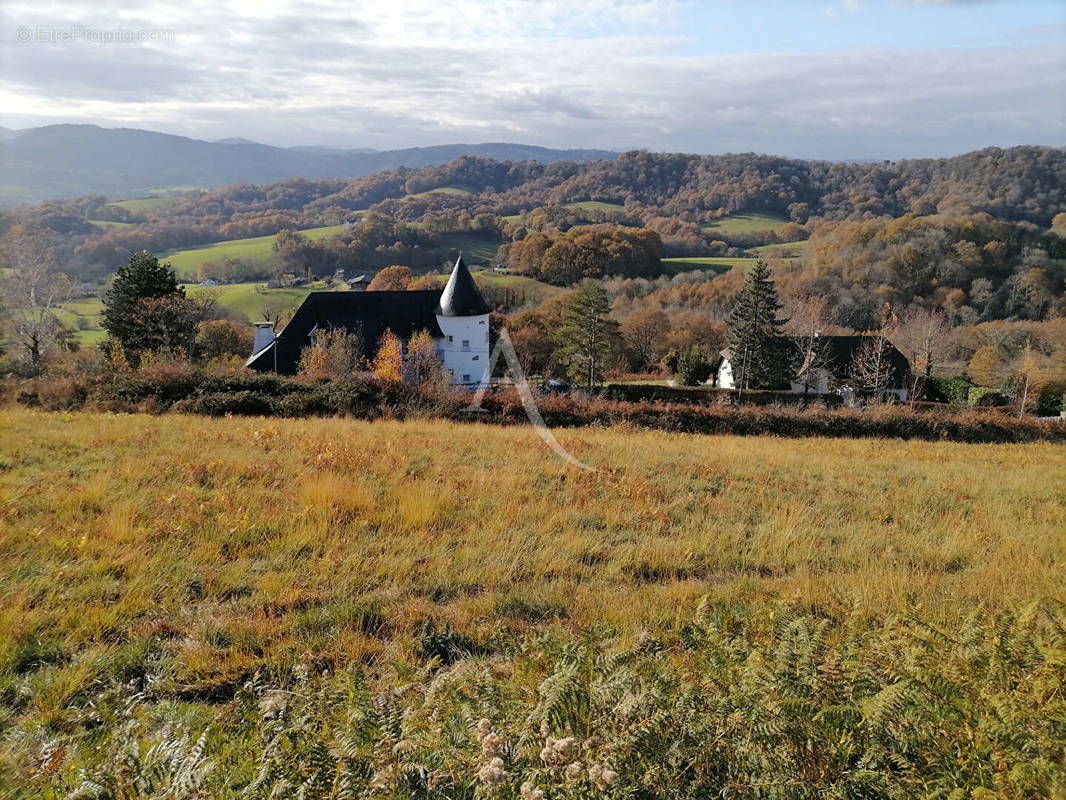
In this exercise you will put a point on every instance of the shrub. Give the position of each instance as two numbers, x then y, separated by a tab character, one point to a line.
693	368
1049	398
219	404
983	396
954	390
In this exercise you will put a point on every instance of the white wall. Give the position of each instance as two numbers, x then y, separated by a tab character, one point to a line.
471	359
725	375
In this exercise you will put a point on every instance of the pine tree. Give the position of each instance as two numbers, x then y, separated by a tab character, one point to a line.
588	335
759	355
142	279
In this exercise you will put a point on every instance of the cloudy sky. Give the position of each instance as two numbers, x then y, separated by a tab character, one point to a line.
826	79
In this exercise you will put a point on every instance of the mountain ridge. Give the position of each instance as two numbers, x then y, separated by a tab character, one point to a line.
66	160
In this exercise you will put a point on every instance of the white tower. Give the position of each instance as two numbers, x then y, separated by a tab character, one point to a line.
463	316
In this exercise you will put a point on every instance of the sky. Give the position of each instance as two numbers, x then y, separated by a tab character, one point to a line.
832	79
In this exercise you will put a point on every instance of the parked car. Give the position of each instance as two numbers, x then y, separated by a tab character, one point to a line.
555	386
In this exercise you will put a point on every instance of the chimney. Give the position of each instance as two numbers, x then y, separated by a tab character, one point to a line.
264	335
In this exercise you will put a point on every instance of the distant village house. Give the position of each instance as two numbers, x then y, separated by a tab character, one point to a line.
831	369
457	318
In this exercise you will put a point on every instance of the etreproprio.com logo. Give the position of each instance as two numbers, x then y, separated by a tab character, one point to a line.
62	34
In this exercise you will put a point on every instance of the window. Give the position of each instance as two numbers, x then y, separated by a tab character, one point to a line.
466	344
466	379
481	322
475	358
451	339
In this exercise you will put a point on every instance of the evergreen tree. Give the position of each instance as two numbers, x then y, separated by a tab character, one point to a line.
759	355
129	304
589	337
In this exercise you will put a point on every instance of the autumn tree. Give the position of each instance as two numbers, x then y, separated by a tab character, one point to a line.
423	364
588	337
295	253
391	279
533	342
986	367
425	282
388	362
31	291
219	339
759	355
335	353
644	331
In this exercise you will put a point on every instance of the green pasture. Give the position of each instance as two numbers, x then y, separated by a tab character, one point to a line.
256	250
787	250
673	266
745	223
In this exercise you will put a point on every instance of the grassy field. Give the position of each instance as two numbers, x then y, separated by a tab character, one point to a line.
84	314
140	204
672	266
745	223
454	191
595	205
249	299
257	250
477	248
787	250
588	205
192	557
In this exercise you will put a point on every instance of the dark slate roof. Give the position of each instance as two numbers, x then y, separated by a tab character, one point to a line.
841	350
370	313
461	297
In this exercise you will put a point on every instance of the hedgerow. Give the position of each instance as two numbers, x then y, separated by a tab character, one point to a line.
191	391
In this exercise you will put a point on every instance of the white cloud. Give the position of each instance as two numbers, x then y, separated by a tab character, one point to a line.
547	72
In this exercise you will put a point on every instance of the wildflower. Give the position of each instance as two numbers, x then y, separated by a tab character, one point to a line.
529	791
574	772
602	777
492	774
491	744
559	751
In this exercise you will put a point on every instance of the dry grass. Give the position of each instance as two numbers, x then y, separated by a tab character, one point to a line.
250	541
153	565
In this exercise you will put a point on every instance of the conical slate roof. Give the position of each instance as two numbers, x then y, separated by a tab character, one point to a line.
461	297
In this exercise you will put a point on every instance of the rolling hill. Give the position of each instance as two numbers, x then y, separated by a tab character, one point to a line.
67	160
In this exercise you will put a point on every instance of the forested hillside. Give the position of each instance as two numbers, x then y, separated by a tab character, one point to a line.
979	238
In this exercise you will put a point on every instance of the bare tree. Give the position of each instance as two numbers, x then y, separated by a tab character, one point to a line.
922	335
30	293
808	319
871	367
